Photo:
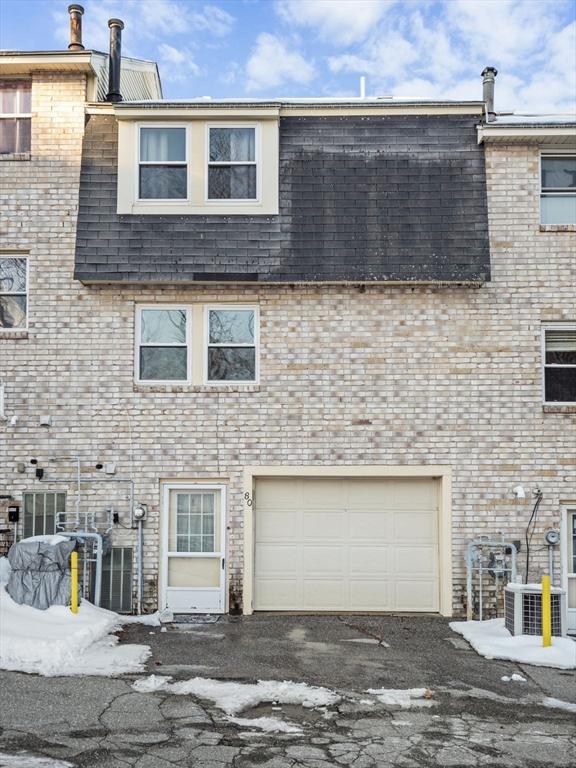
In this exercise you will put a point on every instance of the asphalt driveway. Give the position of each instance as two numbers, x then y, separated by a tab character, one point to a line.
470	718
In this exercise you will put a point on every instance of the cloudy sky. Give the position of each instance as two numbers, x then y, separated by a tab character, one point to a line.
263	48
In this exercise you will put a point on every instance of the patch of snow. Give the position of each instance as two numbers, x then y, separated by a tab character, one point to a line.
56	642
5	570
148	619
534	587
492	640
559	704
152	683
514	678
266	724
29	761
52	540
403	697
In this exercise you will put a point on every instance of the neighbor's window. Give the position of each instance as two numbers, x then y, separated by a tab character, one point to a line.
43	512
232	167
13	292
558	194
15	116
560	365
163	166
162	344
232	335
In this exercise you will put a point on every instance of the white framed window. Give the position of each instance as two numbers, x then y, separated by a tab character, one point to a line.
558	188
559	356
231	344
15	116
162	162
43	512
232	163
13	292
163	341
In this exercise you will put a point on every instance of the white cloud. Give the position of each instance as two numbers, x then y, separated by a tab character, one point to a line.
272	64
338	21
177	64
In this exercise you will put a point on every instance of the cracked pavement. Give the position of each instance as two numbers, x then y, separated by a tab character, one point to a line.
476	718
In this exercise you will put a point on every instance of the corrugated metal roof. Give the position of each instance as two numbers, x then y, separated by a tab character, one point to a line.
139	79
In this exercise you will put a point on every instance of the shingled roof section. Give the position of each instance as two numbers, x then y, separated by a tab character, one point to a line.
362	199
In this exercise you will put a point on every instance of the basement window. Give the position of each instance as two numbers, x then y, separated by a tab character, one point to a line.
231	344
15	116
558	189
163	164
560	365
162	348
232	164
13	293
42	513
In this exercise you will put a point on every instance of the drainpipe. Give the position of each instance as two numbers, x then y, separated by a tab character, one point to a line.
488	78
76	12
115	59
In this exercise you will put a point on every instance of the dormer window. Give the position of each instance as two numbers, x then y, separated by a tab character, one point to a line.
163	166
558	192
15	116
232	165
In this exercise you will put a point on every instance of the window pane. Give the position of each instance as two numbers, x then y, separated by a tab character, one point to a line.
558	209
182	503
182	524
161	144
559	172
232	326
207	543
15	96
208	503
12	311
182	544
231	364
25	91
560	385
234	144
561	347
12	275
232	182
208	524
162	182
14	135
163	363
163	326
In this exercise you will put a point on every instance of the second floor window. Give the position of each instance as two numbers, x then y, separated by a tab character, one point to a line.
558	192
13	292
231	344
232	166
162	344
15	116
163	164
560	365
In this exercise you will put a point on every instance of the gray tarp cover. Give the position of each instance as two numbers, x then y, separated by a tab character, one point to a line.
40	574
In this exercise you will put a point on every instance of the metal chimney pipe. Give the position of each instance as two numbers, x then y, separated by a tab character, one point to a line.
488	77
76	12
114	62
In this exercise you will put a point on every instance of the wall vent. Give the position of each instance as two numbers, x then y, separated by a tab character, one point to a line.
117	585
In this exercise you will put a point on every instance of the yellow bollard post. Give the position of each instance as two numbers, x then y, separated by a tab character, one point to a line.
74	582
546	612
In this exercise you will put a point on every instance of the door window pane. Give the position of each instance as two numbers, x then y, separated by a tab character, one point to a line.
195	529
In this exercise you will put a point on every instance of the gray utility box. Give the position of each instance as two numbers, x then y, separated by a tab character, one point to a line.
523	609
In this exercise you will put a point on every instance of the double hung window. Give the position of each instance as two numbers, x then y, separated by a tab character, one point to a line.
558	190
15	116
232	164
560	365
13	292
163	163
231	344
162	344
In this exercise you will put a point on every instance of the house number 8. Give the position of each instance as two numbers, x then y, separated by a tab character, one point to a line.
248	499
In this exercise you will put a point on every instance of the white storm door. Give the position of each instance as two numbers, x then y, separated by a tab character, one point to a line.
569	568
194	548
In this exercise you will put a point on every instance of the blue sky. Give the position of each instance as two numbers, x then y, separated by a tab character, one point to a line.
264	48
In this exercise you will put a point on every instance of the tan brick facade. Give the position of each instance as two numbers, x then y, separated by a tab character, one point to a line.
379	374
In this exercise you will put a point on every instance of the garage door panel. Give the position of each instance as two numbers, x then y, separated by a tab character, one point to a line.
346	544
369	561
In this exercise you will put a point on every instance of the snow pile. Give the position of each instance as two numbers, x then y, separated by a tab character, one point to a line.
233	698
403	697
58	642
559	704
148	619
514	678
492	640
5	569
29	761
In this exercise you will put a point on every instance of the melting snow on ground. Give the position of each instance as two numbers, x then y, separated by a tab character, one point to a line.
559	704
492	640
29	761
514	678
233	698
403	697
57	642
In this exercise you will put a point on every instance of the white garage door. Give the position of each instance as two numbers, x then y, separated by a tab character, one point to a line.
346	544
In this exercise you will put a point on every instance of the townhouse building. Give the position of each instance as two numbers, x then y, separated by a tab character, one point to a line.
284	355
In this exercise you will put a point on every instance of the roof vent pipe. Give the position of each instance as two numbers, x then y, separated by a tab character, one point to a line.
116	27
488	77
76	12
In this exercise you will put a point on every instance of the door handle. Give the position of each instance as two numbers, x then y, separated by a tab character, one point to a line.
223	562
